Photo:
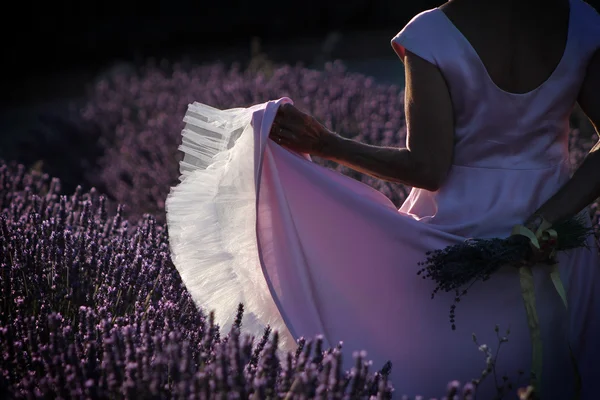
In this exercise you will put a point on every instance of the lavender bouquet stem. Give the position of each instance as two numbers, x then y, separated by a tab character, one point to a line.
458	267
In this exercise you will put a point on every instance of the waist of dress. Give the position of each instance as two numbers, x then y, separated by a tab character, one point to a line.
482	201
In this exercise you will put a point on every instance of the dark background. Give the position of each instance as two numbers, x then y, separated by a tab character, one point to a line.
50	52
200	24
35	47
61	37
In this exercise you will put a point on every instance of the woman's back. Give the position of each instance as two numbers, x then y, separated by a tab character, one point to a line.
520	42
514	73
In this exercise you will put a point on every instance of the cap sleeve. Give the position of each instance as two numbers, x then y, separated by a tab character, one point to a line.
584	34
418	37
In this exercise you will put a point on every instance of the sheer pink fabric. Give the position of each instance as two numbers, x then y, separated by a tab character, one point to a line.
325	254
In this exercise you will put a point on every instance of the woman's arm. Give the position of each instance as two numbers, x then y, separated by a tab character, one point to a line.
584	187
427	158
387	163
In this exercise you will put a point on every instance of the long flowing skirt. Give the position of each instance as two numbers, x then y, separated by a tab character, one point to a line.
310	252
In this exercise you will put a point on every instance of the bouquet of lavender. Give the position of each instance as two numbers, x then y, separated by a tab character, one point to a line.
457	268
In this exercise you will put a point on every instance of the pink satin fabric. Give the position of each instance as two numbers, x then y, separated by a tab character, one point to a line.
342	261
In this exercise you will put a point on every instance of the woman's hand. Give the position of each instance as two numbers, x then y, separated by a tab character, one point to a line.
300	132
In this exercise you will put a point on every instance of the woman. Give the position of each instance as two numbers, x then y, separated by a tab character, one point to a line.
489	90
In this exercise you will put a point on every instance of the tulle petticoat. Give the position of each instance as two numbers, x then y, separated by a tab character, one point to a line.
211	217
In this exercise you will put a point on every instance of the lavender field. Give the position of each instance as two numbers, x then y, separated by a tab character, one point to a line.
91	305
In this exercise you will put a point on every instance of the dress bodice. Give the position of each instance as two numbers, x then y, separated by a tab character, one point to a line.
511	150
495	128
